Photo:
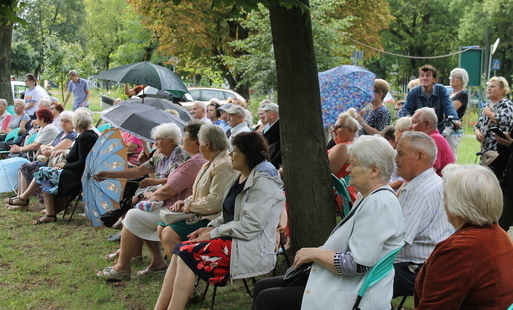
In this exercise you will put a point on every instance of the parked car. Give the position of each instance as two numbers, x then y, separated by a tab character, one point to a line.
204	94
18	88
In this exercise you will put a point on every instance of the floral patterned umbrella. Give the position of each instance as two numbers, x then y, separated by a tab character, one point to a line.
108	154
342	88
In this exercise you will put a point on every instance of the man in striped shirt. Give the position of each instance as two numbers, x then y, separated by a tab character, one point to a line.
421	199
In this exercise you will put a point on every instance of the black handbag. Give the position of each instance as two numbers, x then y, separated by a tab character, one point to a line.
297	277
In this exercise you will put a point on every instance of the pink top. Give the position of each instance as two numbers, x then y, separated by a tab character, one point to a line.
133	156
181	179
444	156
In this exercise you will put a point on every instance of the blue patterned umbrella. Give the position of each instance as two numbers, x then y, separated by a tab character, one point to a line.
108	154
342	88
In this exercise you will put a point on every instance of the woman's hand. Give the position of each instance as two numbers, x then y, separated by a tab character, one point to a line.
177	206
507	142
201	234
479	136
146	182
305	255
15	149
59	166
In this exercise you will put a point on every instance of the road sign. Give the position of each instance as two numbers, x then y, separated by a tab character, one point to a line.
496	64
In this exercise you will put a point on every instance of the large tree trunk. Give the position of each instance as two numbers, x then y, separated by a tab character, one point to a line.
307	176
5	59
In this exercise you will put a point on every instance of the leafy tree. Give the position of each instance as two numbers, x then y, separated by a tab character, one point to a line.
23	58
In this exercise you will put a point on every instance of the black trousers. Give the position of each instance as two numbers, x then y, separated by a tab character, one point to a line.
273	294
404	279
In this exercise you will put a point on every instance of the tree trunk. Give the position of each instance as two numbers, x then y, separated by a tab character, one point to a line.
5	59
307	176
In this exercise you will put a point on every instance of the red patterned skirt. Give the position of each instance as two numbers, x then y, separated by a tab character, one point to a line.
209	260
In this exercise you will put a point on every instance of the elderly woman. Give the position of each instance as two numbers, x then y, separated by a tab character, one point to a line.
63	180
140	224
472	268
459	97
401	125
344	132
60	144
57	109
19	119
497	113
373	228
376	117
240	242
47	132
208	191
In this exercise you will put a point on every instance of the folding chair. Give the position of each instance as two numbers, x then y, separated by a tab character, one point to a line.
77	199
11	137
377	272
340	186
104	127
204	294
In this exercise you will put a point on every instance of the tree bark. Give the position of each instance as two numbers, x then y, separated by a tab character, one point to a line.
307	176
5	59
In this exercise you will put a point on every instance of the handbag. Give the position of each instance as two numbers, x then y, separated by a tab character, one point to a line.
171	217
299	276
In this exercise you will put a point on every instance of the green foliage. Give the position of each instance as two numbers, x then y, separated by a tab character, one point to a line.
23	57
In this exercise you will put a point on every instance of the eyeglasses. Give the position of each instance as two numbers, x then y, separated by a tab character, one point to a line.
454	77
337	127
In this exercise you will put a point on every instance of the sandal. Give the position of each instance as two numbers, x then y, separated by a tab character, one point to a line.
111	274
115	255
46	219
12	201
17	208
148	272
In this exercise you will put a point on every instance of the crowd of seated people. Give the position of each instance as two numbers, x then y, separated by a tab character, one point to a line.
225	178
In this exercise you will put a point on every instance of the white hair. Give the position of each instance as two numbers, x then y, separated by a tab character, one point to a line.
473	194
461	73
427	114
374	151
421	142
348	119
167	131
215	135
403	124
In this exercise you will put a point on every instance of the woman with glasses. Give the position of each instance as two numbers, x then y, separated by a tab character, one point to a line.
344	132
375	118
459	97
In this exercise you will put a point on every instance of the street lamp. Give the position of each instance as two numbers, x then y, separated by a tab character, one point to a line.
493	48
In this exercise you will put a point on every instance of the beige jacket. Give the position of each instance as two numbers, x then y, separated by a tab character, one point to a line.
209	187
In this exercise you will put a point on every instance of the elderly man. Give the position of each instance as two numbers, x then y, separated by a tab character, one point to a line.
424	120
422	202
33	95
271	116
236	120
199	112
80	89
429	94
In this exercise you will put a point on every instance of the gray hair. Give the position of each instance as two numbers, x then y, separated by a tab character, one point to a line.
19	103
248	118
403	124
201	105
73	73
374	151
460	72
82	119
167	131
67	115
215	135
473	194
427	114
349	119
421	142
44	103
3	102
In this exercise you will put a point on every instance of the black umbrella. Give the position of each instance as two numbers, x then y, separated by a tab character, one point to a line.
164	104
145	73
139	119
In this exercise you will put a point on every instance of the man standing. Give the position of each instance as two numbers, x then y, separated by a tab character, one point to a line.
422	202
425	120
199	112
80	89
33	95
236	120
271	115
430	94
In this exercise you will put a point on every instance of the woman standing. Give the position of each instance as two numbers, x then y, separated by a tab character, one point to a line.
240	243
376	117
497	113
373	229
459	96
472	268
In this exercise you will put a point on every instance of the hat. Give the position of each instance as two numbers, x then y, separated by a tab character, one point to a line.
270	107
236	109
225	107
